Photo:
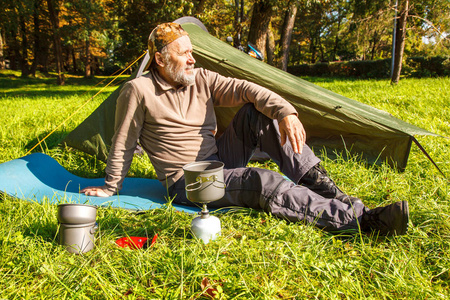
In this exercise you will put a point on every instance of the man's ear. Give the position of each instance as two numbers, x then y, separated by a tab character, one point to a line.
159	59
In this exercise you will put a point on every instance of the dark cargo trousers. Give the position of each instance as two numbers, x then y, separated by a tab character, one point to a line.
268	190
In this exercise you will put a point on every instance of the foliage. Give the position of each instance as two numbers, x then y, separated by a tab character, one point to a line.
218	18
413	67
428	66
107	34
360	69
257	256
85	32
136	19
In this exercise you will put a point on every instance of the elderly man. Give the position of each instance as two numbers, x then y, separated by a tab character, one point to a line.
170	110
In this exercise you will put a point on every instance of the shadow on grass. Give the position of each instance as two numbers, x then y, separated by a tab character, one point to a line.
47	87
10	80
47	230
164	222
53	141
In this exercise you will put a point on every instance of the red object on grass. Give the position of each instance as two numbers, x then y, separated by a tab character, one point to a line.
135	242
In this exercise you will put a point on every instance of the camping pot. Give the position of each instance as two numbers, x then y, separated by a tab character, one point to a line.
204	181
77	227
73	213
78	238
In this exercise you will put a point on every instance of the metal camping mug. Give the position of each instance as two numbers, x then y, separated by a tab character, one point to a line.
77	227
204	181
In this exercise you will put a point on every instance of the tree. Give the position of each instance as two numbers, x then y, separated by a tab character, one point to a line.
399	42
85	23
237	24
2	57
88	62
53	11
24	45
137	18
311	24
80	34
370	28
428	28
270	46
337	29
286	32
261	15
40	39
15	25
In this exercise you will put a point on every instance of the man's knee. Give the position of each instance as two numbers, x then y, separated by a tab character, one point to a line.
248	121
247	113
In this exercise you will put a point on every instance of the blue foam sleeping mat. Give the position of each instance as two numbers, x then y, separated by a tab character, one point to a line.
37	176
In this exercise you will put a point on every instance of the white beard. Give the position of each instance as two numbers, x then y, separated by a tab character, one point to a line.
178	75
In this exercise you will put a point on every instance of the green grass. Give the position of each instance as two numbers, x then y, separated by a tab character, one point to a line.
257	256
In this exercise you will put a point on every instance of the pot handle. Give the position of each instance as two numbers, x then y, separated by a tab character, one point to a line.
200	180
222	183
94	228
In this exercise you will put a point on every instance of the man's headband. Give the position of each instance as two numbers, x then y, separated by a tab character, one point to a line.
163	35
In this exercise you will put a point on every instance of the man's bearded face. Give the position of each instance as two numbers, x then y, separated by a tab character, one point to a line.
179	62
181	74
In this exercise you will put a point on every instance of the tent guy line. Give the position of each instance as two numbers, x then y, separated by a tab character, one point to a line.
429	157
84	104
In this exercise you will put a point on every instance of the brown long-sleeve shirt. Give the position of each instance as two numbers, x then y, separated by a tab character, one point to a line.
177	126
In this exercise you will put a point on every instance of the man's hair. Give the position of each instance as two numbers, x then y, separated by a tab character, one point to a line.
165	55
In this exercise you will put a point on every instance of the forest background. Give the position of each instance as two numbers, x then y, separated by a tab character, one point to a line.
92	37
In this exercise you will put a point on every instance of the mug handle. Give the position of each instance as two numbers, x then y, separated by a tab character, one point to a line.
200	180
222	183
190	187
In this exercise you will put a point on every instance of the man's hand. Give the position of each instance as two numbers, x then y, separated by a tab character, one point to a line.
292	128
96	191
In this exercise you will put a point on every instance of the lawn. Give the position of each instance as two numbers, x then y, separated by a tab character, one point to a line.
257	255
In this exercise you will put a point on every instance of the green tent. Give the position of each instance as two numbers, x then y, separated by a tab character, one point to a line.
331	120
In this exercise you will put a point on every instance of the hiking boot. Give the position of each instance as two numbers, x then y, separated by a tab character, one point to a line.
389	220
317	180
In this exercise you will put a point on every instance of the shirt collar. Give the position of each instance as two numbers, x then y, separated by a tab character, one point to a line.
163	85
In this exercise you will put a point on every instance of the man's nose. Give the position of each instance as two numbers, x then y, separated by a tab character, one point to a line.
191	59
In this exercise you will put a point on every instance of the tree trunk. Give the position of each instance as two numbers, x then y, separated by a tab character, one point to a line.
262	12
24	66
87	70
71	54
54	19
400	41
238	19
41	42
74	60
2	56
286	33
13	50
321	50
270	46
337	39
37	39
88	62
312	49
